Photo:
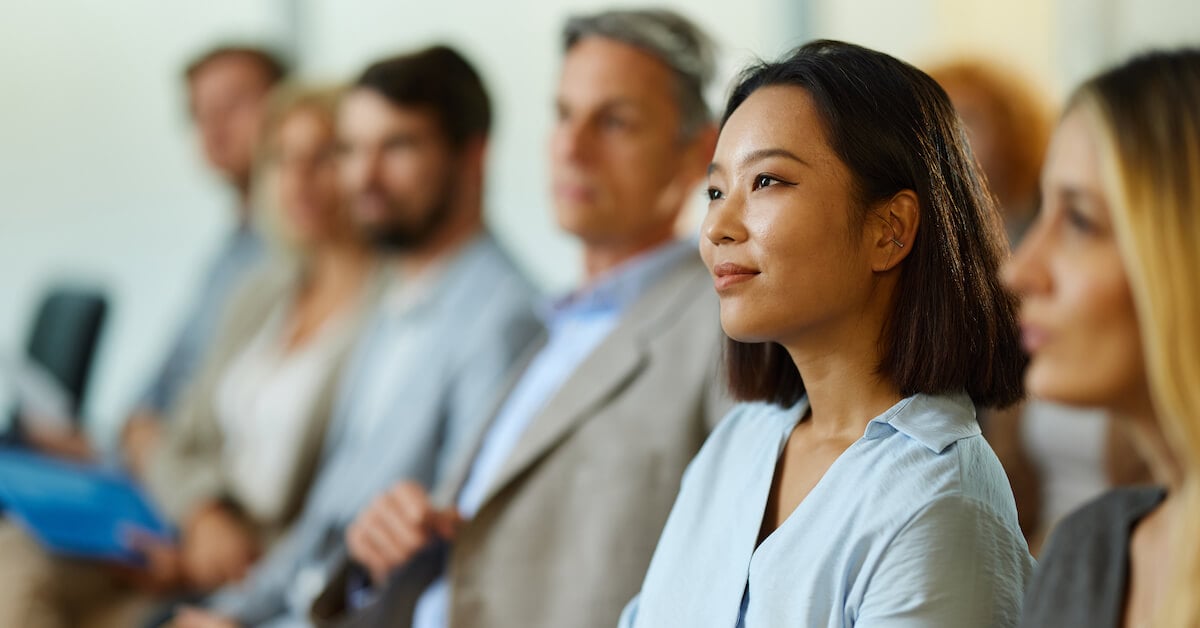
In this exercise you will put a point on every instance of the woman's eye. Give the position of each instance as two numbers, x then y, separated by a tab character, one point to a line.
764	180
1079	221
713	194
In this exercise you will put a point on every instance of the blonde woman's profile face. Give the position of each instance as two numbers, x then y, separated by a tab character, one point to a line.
1078	321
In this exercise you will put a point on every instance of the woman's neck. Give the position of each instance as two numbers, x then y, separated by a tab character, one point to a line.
840	372
335	275
1151	444
1153	548
337	267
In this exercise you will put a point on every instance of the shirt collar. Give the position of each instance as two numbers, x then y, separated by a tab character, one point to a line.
935	421
620	287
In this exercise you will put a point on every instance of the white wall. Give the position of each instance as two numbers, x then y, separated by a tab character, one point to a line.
100	178
1055	43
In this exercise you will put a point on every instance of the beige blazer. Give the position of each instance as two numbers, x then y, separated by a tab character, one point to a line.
567	530
186	470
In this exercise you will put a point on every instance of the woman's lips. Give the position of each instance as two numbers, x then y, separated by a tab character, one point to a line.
1033	338
728	274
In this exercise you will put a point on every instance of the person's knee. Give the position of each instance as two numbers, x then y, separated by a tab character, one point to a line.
24	560
27	581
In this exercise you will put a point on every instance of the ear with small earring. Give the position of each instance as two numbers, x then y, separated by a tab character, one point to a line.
892	227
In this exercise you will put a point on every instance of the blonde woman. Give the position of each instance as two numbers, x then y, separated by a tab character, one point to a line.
1057	458
1110	281
239	456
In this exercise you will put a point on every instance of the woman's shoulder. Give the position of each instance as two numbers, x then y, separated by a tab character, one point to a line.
261	289
1081	575
928	453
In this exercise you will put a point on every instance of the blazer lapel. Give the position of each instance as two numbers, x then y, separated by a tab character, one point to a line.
446	493
601	377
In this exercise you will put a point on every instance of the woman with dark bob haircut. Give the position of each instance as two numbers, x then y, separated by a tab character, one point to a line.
856	252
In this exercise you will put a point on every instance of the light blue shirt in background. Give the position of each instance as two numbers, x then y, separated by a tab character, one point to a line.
576	326
913	526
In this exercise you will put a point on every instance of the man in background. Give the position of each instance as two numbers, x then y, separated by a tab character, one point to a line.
553	519
227	93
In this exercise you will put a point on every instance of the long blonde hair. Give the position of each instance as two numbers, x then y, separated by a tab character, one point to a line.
1147	116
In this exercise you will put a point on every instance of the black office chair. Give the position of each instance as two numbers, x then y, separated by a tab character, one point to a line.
66	331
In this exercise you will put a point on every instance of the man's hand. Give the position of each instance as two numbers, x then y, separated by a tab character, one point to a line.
395	527
218	547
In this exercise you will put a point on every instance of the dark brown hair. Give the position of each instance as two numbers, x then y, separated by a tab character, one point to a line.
440	79
953	327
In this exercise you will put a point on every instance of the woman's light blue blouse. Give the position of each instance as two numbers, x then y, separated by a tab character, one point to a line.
913	525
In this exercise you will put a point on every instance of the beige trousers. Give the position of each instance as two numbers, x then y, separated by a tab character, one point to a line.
41	591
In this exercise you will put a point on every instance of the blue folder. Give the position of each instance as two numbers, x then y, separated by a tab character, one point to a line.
76	510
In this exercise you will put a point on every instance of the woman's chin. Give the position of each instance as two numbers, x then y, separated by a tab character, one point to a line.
1048	384
744	333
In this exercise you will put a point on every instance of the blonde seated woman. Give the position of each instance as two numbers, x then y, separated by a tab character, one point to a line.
1110	285
234	465
1057	458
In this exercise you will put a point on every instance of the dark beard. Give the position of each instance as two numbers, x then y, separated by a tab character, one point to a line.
398	236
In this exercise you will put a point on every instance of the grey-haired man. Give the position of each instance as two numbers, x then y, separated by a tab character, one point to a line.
553	519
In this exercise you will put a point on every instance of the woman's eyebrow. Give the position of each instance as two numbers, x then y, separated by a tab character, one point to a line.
759	155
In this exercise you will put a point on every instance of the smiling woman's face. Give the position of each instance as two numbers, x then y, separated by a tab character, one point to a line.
783	235
1078	321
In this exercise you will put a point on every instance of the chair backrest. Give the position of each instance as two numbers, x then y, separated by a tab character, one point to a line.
66	331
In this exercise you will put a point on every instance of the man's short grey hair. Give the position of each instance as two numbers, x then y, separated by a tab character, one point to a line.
669	37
